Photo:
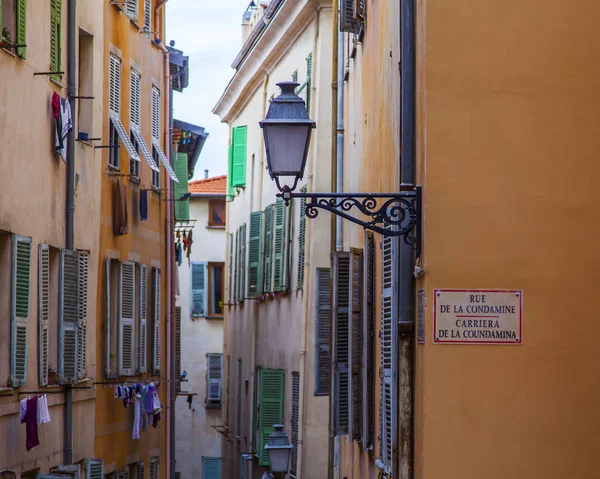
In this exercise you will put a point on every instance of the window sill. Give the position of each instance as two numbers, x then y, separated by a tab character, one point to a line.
134	179
215	227
114	169
213	406
8	52
214	317
156	190
85	142
56	82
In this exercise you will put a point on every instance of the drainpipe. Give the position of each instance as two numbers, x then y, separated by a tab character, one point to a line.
339	174
406	325
334	230
70	228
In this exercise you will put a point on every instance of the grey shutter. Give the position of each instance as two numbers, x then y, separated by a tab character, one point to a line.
154	468
84	266
148	15
341	350
155	113
68	316
230	269
143	354
215	372
114	85
211	468
236	266
287	247
368	400
348	22
228	389
242	263
239	398
107	320
389	335
141	470
295	422
199	289
43	310
127	319
279	246
268	244
95	469
156	320
19	325
178	347
301	241
356	343
323	332
254	255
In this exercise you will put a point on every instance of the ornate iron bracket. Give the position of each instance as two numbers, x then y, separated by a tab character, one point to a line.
391	214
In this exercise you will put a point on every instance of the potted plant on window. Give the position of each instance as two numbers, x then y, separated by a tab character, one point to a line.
5	40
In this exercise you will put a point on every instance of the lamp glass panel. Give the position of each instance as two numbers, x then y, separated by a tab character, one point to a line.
286	148
278	459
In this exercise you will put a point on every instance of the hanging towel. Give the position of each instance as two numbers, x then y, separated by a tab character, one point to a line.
43	415
144	205
137	410
61	112
31	424
120	220
23	410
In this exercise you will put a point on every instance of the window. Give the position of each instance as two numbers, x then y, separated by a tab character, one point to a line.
113	141
207	286
13	17
156	134
269	408
295	422
48	313
238	157
94	469
55	37
213	380
127	314
368	359
155	173
134	119
216	213
131	9
182	207
211	467
134	165
198	293
216	287
323	332
154	468
86	82
155	304
111	295
352	16
143	350
355	312
255	255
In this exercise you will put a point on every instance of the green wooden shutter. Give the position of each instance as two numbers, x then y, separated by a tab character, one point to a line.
236	268
127	319
21	286
55	36
230	270
323	332
21	26
68	316
271	408
84	260
268	255
198	293
368	372
143	354
182	208
242	263
302	241
279	246
239	156
228	389
341	350
294	423
95	469
356	342
255	409
239	398
43	310
230	187
211	468
309	65
254	255
178	348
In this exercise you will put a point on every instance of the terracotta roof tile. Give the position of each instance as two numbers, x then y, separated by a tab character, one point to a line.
209	186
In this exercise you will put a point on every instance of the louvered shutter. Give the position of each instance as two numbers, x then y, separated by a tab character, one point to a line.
239	398
155	113
21	26
341	350
141	472
199	290
143	354
156	320
279	246
43	310
68	316
323	331
107	321
55	36
348	22
127	319
368	400
255	255
309	66
270	409
135	99
124	474
236	267
295	422
268	255
178	347
302	241
356	343
182	208
255	409
215	373
389	372
148	15
360	10
211	468
82	312
154	468
95	469
230	269
239	156
228	390
21	278
242	264
230	187
131	9
114	84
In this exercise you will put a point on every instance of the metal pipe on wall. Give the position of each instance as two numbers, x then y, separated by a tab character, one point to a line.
70	219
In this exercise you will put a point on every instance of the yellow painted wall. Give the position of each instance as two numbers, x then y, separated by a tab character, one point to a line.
145	240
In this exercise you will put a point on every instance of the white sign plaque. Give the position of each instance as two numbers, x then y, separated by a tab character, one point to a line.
477	316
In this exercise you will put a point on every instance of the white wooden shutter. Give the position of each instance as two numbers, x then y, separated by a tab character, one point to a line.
82	313
155	113
95	469
107	319
134	105
323	332
126	318
199	289
154	468
143	354
341	349
131	9
114	85
21	279
215	372
355	334
68	316
43	310
389	335
368	402
148	15
141	470
156	320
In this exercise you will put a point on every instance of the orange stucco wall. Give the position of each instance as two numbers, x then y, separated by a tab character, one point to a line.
145	241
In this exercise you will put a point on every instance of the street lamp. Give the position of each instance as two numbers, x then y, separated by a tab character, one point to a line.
279	450
287	130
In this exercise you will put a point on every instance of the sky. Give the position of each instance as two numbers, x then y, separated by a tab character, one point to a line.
210	33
